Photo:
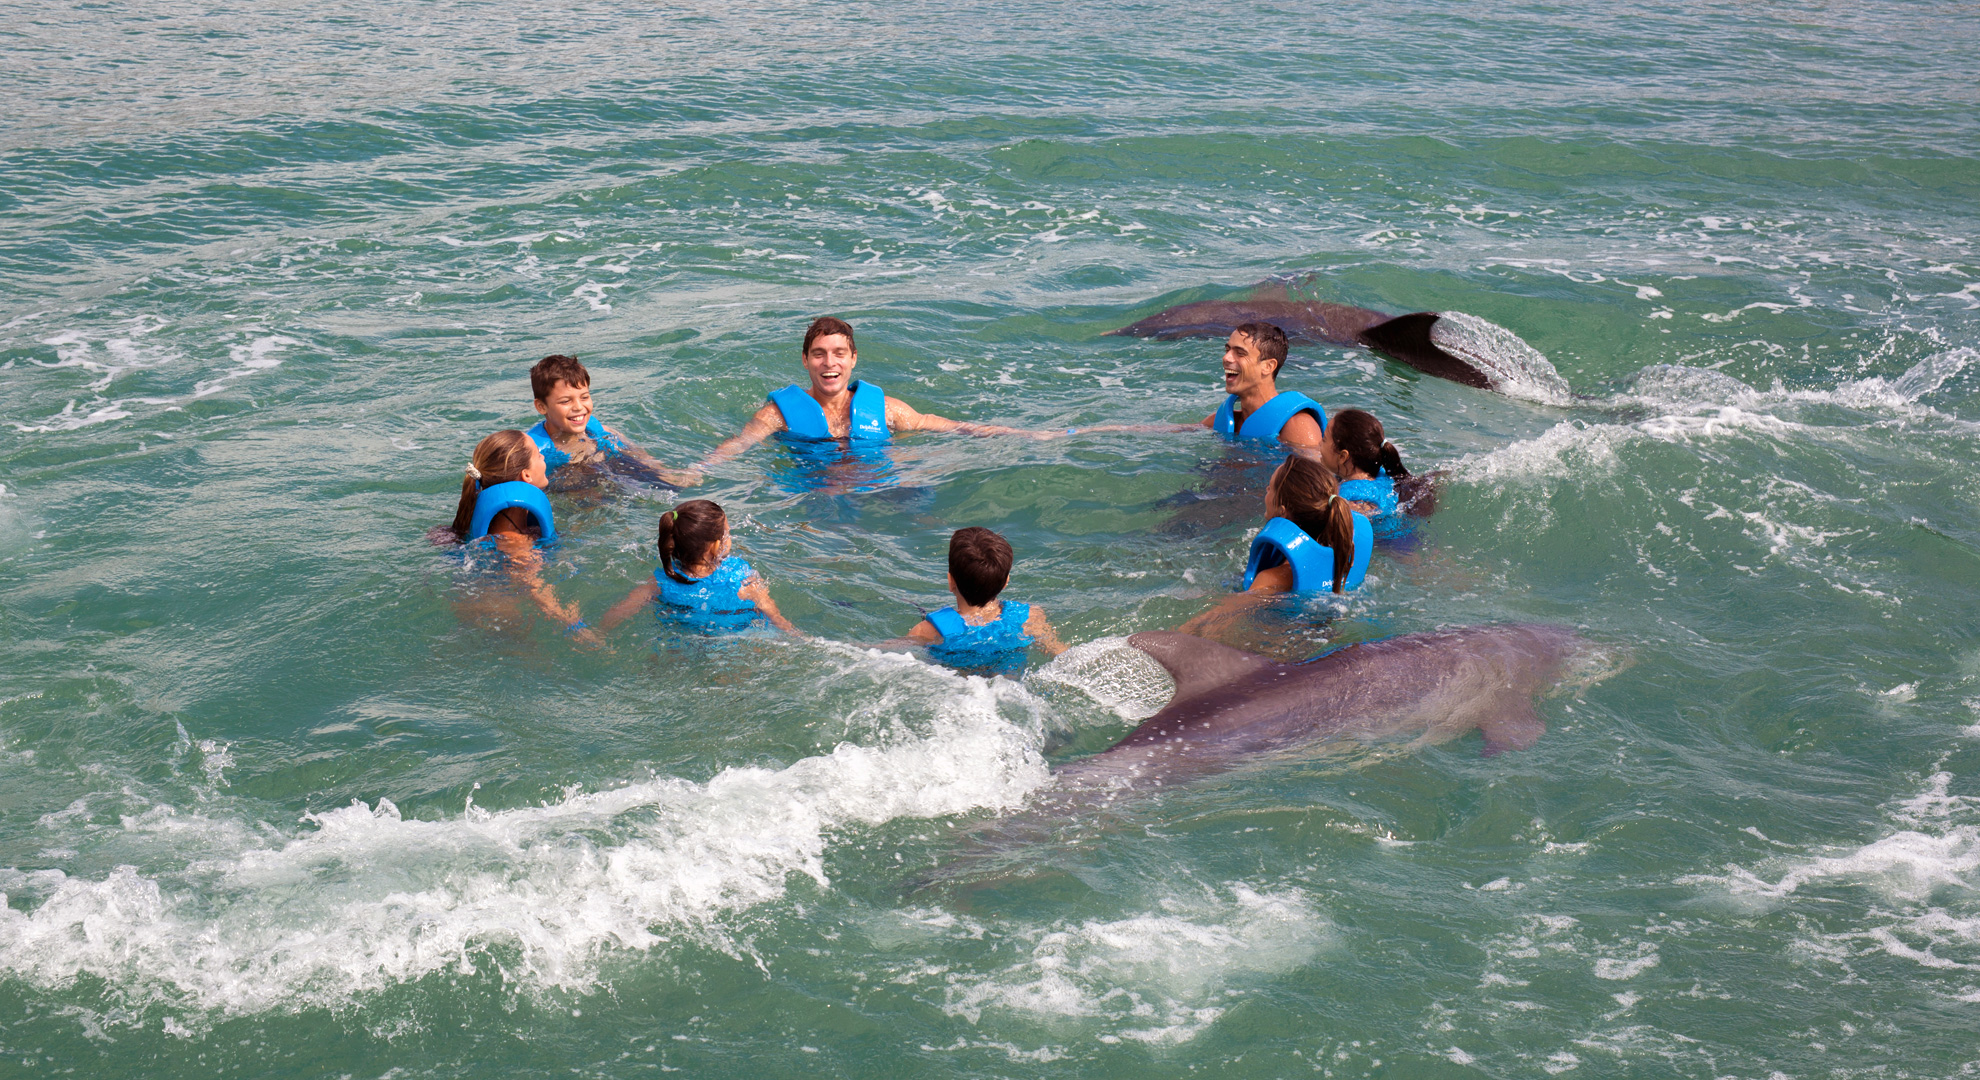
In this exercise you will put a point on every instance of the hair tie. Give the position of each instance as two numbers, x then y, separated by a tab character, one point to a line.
472	472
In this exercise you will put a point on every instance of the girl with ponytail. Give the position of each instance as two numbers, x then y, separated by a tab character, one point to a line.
699	578
1372	474
502	504
1312	542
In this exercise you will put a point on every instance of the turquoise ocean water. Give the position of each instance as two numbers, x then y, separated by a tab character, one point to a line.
285	791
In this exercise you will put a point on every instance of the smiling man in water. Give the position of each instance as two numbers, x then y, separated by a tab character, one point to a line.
837	406
1255	407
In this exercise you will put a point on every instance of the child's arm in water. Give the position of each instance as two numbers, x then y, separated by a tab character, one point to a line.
643	594
756	592
526	568
676	477
1042	633
1268	583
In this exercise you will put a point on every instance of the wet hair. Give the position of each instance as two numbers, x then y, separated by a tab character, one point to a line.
687	534
826	326
1359	434
1311	497
552	370
498	459
980	561
1269	340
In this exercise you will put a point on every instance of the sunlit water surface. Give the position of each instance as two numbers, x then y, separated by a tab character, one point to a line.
286	791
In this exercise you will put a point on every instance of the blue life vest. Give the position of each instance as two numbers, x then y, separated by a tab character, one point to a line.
988	645
499	497
554	459
1381	492
710	603
1281	541
806	418
1270	417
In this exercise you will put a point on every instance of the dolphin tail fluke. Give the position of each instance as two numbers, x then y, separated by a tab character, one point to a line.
1407	338
1198	665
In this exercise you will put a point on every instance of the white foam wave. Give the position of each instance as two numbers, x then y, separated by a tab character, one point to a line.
73	349
1930	853
1698	405
258	354
1927	870
1113	673
1667	385
1515	368
1160	978
370	898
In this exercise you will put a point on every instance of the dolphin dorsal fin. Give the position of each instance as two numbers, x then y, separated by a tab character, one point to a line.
1197	665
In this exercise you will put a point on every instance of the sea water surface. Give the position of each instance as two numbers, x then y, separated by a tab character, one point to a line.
286	791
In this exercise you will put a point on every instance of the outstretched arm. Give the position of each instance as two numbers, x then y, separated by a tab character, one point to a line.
904	417
526	569
1041	632
1268	584
756	592
1155	429
768	421
642	595
677	477
922	633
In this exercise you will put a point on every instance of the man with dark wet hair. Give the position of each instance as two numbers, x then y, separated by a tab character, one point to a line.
1255	407
836	406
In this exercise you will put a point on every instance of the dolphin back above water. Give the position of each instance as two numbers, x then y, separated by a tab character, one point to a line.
1406	338
1230	705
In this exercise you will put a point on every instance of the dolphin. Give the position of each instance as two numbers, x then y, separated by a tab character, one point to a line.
1231	707
1402	337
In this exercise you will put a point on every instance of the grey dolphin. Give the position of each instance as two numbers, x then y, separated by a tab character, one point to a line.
1230	705
1403	337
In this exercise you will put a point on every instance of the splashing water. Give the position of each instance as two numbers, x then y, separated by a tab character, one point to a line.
1514	367
1113	673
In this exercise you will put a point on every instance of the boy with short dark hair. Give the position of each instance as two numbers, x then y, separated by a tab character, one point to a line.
570	431
981	630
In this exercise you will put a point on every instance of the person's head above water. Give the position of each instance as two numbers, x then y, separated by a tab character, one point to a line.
979	565
692	536
1253	355
563	394
498	459
1353	443
1304	492
829	355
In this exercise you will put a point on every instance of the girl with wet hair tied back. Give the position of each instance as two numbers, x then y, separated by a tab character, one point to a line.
502	505
1372	474
500	459
699	579
1312	542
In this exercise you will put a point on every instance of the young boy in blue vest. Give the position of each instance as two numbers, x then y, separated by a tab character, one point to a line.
570	433
981	630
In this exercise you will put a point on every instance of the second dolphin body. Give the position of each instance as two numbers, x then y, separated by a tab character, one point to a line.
1406	338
